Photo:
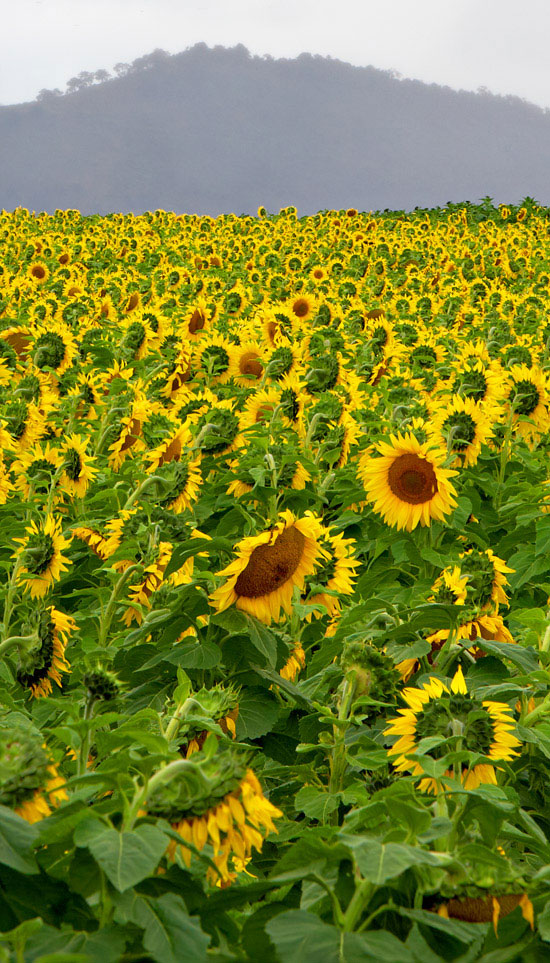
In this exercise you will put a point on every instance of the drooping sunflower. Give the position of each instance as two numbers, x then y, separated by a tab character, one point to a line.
463	427
461	721
212	359
30	784
46	662
232	819
151	580
486	574
79	469
407	484
54	346
40	559
261	579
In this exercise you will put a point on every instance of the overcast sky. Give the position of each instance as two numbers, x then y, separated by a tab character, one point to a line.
499	44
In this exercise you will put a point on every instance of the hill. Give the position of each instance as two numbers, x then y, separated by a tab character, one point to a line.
218	130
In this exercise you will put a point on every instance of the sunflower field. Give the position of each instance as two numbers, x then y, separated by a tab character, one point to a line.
275	594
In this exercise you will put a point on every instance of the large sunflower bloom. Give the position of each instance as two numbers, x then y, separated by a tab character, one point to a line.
407	485
261	579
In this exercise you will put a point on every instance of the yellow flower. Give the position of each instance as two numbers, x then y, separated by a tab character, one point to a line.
452	714
40	558
407	485
261	580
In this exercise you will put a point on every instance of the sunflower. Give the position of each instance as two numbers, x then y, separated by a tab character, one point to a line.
39	272
40	559
261	580
6	486
47	661
54	347
184	484
231	819
294	664
407	485
23	424
180	373
78	468
247	363
212	359
200	318
482	382
528	401
35	469
335	572
463	427
487	909
129	440
459	720
302	307
151	580
486	578
30	783
261	406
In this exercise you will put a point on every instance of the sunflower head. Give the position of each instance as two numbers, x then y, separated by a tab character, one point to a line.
460	722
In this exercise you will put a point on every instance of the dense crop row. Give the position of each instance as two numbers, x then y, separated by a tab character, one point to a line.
276	566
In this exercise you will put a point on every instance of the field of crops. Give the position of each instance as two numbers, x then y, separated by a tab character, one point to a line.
275	563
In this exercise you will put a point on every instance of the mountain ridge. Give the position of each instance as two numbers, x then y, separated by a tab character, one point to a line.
217	130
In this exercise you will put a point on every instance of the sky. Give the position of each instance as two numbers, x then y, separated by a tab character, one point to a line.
497	44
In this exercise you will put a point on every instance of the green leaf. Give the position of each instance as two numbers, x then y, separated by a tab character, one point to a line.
128	857
379	862
464	932
301	937
316	803
258	712
17	837
171	935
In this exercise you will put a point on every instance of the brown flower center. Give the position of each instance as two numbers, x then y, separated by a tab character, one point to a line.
412	479
270	566
271	329
38	272
479	909
131	434
250	364
197	321
300	307
172	453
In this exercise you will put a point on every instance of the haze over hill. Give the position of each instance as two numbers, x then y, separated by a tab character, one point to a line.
216	130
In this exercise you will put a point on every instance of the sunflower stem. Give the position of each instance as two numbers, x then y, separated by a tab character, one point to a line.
338	760
8	604
107	616
17	640
180	713
538	713
359	902
87	739
51	493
